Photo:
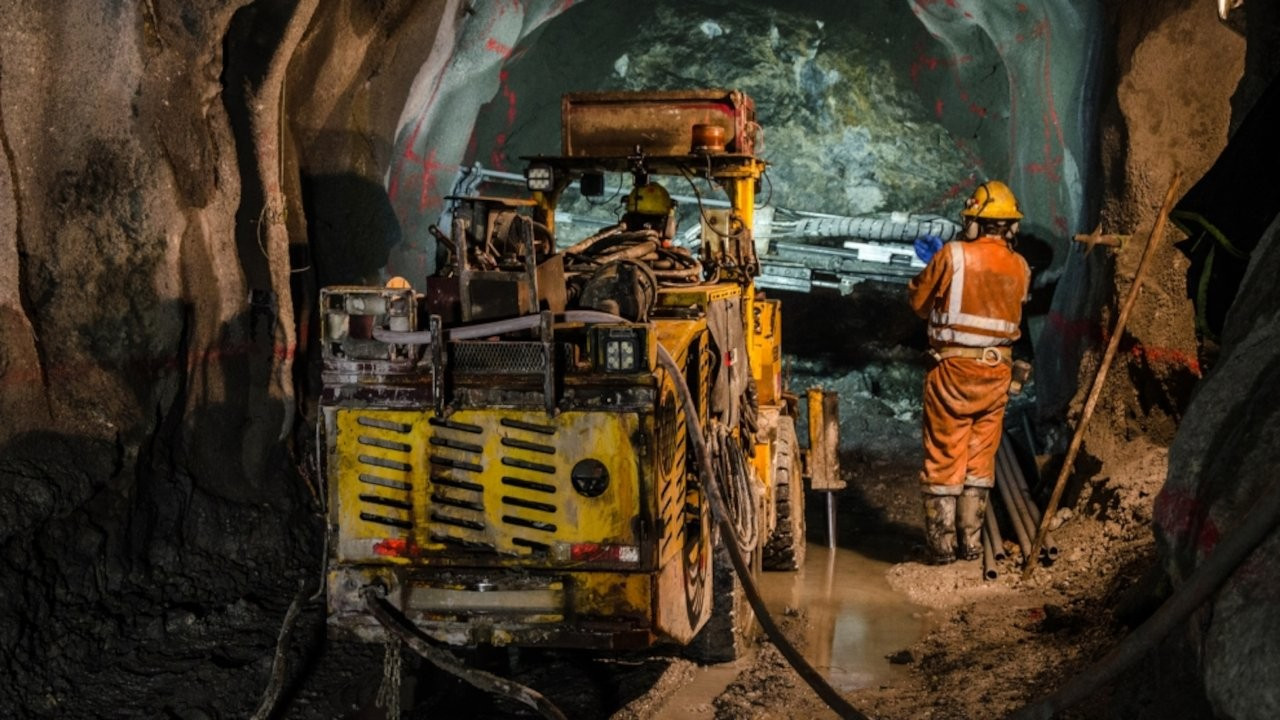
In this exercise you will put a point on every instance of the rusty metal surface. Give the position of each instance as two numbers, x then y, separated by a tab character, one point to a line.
824	440
660	123
600	610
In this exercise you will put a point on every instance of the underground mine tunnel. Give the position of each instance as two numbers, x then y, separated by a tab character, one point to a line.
315	403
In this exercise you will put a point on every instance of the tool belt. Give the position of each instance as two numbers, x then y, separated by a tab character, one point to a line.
991	356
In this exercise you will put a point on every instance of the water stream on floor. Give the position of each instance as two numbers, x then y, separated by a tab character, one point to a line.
852	621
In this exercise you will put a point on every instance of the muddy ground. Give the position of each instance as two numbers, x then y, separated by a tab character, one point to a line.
987	646
993	646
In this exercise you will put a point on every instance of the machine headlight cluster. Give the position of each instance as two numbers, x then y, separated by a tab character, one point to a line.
539	178
621	350
620	354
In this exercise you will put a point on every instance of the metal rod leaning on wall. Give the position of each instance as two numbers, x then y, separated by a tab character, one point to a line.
1157	233
1050	549
1019	504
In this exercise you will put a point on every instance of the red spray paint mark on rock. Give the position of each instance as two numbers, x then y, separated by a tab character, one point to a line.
1166	356
501	49
429	167
1179	514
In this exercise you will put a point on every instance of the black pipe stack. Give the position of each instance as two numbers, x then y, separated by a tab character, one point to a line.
1020	510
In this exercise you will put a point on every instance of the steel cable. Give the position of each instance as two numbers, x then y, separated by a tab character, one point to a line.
395	622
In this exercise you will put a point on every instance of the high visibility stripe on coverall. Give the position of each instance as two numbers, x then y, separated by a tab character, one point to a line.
972	293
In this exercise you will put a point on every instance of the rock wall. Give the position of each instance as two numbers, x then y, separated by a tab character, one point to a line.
1167	108
151	511
1223	460
1224	457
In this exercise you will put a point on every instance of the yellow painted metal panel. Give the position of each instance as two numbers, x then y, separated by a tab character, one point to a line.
492	478
609	594
696	296
765	347
378	463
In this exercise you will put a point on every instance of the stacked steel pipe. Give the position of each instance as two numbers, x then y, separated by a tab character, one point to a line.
1021	510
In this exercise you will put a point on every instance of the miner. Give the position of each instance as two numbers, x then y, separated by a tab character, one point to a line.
971	291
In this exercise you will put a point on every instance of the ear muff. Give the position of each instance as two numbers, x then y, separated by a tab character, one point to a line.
971	229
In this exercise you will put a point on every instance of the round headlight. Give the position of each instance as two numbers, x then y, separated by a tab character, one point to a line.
590	477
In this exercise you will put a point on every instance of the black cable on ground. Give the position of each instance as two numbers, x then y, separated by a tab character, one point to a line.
1204	581
395	622
802	667
269	696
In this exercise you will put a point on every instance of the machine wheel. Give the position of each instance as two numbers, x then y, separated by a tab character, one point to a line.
732	627
786	546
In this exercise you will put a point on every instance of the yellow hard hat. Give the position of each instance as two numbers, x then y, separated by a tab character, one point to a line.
649	199
397	283
993	200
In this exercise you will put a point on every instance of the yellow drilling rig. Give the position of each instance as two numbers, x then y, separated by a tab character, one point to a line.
506	448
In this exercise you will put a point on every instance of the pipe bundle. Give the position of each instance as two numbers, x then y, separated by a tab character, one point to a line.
1019	508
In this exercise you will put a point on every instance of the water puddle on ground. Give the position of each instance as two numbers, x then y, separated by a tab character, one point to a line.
853	619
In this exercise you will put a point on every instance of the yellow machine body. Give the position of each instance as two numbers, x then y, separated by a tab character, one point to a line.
521	493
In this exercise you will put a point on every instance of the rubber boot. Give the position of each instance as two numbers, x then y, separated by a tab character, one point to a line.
940	528
971	511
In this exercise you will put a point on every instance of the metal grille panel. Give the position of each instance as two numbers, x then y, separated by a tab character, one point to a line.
510	358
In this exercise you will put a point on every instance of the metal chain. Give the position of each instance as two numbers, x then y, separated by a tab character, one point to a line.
388	697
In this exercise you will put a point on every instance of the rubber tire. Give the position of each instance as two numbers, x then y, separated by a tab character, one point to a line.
785	549
731	629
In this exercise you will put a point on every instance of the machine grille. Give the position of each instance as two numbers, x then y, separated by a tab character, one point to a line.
530	504
384	461
507	358
457	515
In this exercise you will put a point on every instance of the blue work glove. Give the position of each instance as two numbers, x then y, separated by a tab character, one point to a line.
927	247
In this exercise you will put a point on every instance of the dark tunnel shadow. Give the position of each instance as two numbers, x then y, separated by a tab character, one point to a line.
351	228
863	523
849	330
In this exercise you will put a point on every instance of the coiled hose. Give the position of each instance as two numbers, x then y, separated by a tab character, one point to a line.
741	497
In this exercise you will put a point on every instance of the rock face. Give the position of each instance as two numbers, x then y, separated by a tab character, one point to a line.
1225	455
1224	458
150	508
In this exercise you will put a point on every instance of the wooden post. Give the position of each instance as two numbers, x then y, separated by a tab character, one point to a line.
1148	252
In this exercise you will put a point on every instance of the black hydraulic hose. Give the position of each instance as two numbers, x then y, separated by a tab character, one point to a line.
395	622
802	667
1203	582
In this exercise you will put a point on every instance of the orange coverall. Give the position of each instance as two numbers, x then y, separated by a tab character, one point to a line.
972	294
